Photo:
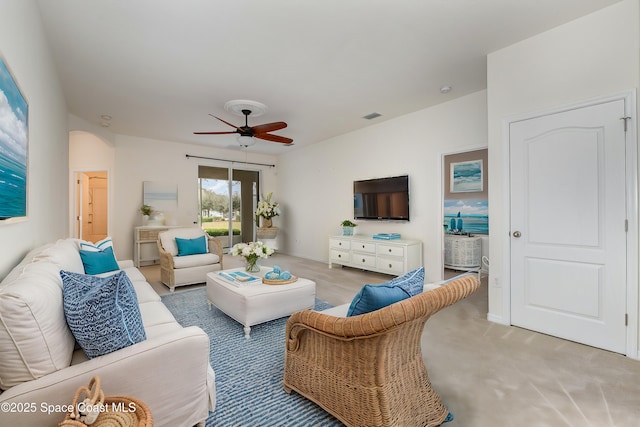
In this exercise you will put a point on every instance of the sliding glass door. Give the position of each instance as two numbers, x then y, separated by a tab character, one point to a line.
228	198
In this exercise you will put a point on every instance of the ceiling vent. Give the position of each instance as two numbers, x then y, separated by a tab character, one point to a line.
372	116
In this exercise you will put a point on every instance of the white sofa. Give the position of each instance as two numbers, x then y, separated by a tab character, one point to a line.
41	367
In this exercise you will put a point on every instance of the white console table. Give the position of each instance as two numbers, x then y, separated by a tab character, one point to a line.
393	257
462	252
145	248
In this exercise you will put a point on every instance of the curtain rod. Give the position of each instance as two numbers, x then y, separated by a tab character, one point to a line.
230	161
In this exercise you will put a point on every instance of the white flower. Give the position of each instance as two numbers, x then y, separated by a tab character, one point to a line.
251	250
266	208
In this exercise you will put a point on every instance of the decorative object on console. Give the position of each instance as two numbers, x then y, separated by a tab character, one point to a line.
265	211
347	227
251	252
146	210
386	236
456	225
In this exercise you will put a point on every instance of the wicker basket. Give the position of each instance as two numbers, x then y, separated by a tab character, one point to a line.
267	232
112	411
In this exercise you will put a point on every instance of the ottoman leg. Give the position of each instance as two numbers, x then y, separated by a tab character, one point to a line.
247	331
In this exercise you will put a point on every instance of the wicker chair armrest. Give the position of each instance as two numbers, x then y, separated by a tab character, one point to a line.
380	321
166	259
215	247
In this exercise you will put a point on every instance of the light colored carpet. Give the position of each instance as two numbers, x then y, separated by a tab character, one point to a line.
493	375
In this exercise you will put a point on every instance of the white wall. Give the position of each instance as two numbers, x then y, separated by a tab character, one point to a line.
24	50
596	55
135	160
316	182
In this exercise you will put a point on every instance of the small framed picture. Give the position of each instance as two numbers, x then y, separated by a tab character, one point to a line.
466	177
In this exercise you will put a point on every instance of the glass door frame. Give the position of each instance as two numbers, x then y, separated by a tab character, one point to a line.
245	211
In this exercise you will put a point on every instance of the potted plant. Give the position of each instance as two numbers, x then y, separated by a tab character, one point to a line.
146	211
347	227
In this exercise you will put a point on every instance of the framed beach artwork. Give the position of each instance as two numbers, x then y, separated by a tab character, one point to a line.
466	177
465	192
14	135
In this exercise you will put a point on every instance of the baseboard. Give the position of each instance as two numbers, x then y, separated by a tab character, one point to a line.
496	319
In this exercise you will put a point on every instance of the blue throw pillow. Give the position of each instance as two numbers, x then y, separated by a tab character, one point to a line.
191	246
102	312
375	297
96	262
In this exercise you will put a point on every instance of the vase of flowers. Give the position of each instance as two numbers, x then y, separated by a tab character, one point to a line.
251	252
266	210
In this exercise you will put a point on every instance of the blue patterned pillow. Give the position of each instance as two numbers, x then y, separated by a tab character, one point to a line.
374	297
102	312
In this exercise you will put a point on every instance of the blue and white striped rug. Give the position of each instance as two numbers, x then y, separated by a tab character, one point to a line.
248	372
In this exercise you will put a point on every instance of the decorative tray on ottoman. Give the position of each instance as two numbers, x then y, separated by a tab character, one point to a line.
278	281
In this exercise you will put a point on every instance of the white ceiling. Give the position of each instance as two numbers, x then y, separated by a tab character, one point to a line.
160	67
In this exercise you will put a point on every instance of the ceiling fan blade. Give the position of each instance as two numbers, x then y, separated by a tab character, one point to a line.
215	133
274	138
269	127
223	121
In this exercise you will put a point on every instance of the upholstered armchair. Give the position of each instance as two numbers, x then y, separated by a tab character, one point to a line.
187	255
368	370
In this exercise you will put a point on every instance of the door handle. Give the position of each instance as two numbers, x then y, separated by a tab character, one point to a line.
516	234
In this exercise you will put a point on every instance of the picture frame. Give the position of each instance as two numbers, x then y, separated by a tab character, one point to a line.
14	148
466	177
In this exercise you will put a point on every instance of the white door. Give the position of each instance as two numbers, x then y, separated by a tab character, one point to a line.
568	229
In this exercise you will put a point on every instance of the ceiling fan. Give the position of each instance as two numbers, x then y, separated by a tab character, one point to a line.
246	133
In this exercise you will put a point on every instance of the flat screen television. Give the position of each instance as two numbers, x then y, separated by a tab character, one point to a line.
382	198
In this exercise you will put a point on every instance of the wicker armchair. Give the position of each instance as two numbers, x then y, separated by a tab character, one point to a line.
368	370
186	270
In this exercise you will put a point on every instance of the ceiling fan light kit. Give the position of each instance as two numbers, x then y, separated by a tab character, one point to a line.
245	141
247	134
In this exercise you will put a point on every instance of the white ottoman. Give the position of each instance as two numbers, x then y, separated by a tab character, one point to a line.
252	304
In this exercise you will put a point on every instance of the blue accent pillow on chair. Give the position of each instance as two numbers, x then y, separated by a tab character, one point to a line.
375	297
102	312
191	246
96	262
